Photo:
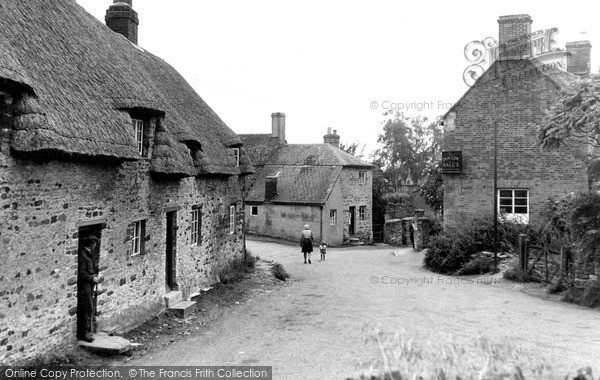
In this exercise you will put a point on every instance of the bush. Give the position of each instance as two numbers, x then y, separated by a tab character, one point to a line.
584	225
591	295
573	295
279	272
557	287
480	264
251	260
450	251
514	272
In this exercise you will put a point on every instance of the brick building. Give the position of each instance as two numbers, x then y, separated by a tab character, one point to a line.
98	136
513	93
316	184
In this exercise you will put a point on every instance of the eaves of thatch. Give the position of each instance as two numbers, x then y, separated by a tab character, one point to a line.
74	82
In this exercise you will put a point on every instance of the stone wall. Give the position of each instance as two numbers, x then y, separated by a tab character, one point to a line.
42	207
284	221
515	97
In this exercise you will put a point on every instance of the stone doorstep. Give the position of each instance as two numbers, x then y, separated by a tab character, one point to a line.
106	344
172	298
182	309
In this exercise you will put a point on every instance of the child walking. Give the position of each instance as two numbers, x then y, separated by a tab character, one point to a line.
323	249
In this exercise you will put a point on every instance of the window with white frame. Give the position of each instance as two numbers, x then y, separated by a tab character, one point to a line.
332	217
236	154
196	224
138	127
514	204
137	240
253	210
232	219
362	213
362	179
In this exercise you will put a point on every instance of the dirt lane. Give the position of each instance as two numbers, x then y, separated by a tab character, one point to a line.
316	327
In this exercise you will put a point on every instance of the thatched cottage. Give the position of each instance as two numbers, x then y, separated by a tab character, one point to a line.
99	136
316	184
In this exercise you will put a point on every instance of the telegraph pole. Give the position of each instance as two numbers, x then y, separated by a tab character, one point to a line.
496	195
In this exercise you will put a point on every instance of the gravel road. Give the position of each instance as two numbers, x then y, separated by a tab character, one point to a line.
318	325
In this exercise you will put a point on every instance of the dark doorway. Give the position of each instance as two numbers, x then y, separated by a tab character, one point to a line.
171	253
352	220
88	264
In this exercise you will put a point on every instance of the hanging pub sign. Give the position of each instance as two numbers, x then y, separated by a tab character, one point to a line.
452	162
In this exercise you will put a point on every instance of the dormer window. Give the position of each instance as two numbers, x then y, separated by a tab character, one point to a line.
138	128
236	154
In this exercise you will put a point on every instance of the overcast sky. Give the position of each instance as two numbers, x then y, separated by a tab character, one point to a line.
324	63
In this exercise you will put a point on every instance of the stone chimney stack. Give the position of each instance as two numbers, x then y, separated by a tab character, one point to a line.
122	19
578	59
278	125
332	138
514	37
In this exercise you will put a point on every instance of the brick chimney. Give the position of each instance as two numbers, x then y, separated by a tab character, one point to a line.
122	19
332	138
578	57
514	36
278	125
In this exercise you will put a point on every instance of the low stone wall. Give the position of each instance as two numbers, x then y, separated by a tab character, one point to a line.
413	231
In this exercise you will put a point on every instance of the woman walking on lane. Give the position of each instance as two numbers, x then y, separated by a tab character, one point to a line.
306	241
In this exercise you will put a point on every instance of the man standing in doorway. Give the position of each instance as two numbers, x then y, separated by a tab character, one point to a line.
87	278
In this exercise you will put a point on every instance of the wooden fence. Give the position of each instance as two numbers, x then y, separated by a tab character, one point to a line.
548	262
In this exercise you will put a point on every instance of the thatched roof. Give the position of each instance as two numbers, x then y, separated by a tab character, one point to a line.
75	80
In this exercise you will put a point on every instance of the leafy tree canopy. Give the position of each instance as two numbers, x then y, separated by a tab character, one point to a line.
576	116
407	146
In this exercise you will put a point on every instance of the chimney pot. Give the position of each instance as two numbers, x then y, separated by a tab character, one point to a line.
332	138
278	126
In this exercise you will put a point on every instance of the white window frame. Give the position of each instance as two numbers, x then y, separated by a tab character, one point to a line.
517	201
332	217
138	128
253	210
231	219
137	240
195	225
362	178
362	213
236	154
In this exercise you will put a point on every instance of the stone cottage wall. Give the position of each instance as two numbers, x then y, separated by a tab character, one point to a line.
284	221
355	194
42	205
515	96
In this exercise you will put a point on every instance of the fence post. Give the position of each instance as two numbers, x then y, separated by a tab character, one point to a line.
523	253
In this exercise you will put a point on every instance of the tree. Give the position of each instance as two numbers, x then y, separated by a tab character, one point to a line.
576	116
432	188
353	148
407	147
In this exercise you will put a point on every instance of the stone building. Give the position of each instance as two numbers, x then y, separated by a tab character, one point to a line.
316	184
99	136
512	94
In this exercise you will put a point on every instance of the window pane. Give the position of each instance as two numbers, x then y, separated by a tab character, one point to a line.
520	210
521	193
506	193
521	201
505	201
505	209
